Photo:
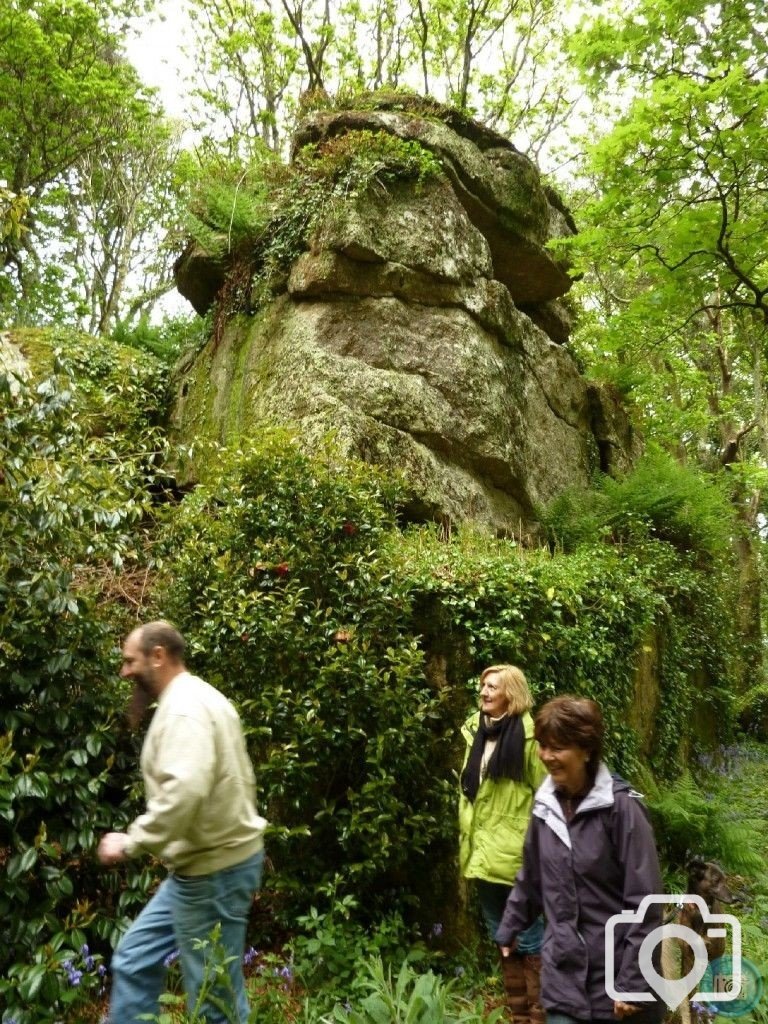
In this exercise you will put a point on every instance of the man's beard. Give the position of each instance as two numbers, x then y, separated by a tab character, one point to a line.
143	695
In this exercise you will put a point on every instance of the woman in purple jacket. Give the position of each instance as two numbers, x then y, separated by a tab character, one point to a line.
589	855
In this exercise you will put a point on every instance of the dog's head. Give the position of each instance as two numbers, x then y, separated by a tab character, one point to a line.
707	879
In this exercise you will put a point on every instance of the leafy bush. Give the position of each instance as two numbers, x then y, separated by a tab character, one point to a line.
278	580
303	603
578	623
752	709
167	340
69	504
659	498
351	648
688	821
331	948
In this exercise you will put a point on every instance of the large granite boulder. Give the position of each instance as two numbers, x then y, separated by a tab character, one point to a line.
13	363
422	326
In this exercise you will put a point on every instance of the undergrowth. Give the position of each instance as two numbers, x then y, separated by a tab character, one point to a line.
660	498
734	780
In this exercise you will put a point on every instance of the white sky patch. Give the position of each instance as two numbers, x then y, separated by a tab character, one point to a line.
156	53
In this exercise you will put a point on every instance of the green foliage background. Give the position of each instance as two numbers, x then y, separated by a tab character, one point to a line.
73	500
350	646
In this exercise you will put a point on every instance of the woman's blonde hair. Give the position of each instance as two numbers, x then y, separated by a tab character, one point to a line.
514	685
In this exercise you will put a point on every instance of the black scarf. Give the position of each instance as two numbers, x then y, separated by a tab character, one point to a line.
507	758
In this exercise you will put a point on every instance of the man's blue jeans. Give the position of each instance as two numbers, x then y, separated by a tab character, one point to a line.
181	916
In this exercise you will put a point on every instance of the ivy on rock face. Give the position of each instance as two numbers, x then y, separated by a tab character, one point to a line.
583	623
256	218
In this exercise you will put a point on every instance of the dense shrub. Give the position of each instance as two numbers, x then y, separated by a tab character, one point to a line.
167	340
279	582
69	505
303	603
352	649
410	997
689	819
660	498
577	623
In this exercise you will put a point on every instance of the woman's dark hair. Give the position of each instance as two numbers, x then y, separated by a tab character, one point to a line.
572	722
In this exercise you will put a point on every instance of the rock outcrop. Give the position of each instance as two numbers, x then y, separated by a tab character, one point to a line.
13	363
424	326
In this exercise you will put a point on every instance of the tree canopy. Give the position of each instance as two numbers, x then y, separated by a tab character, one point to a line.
71	103
674	219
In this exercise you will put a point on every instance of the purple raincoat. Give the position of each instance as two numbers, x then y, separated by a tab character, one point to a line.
580	874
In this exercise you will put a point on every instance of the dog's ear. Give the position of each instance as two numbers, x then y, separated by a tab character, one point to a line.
707	878
695	867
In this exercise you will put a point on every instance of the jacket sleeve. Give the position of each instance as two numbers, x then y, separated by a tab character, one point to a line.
636	849
524	902
182	777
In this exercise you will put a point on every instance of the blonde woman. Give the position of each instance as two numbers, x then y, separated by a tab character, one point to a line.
501	773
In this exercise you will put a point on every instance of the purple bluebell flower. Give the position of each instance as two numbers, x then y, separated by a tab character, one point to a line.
171	958
703	1010
249	956
74	976
437	929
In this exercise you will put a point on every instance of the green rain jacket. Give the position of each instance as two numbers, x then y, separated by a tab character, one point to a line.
492	829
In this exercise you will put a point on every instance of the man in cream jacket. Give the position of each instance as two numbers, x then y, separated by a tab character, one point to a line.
201	820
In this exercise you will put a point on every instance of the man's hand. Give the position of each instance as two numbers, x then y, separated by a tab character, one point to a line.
508	950
112	848
622	1010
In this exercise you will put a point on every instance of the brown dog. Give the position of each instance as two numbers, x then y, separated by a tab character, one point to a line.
705	879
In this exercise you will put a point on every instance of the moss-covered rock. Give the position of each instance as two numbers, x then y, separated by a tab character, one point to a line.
398	327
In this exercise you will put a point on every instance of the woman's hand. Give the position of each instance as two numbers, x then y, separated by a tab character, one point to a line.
508	950
622	1010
